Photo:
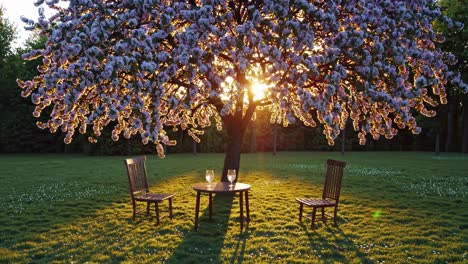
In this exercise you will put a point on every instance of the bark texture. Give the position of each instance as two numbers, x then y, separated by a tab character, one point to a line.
236	126
233	151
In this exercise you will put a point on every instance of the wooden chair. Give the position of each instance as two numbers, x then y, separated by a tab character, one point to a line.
139	190
330	196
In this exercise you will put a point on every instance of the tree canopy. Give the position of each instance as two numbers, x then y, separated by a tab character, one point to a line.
147	65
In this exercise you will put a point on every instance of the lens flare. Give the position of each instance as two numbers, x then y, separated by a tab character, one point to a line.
377	214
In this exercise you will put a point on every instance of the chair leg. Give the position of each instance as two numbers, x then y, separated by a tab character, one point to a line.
323	215
170	208
313	217
134	211
147	208
156	207
301	205
335	214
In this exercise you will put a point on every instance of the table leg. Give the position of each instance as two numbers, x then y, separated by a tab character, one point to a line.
210	205
197	209
241	211
156	208
247	209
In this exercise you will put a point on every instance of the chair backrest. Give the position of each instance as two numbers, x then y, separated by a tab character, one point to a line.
136	170
333	179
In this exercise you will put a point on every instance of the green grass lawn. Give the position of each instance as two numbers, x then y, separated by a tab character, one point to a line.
397	207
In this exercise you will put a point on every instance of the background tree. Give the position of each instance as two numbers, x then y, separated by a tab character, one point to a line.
18	132
456	41
7	35
145	65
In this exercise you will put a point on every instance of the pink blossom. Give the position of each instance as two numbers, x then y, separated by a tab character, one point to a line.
158	64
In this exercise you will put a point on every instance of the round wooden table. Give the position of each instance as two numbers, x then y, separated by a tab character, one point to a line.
223	187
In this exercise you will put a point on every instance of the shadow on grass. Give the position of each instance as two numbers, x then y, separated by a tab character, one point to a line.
332	251
93	240
239	250
206	244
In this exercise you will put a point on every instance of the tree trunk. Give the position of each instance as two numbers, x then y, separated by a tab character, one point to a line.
275	136
181	136
129	147
465	125
450	127
233	150
343	138
437	144
194	147
236	125
253	137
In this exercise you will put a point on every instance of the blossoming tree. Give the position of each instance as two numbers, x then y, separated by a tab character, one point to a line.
146	66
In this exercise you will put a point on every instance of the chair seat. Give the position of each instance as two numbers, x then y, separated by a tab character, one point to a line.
316	202
149	197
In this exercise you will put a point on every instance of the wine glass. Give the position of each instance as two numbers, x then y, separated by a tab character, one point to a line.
209	176
231	175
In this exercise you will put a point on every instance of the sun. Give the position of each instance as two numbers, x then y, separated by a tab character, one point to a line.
259	89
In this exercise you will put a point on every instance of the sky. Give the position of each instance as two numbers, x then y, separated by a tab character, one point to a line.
14	9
